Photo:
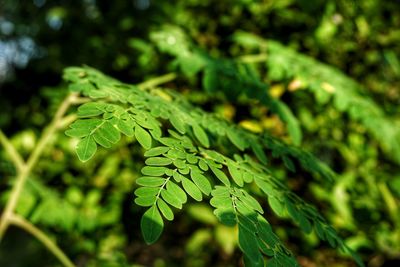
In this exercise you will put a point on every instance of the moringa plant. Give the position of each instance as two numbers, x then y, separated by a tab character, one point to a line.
190	154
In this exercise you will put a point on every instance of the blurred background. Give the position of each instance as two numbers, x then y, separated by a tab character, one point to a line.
89	207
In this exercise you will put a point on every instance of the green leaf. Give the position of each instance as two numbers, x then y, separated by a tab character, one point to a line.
97	94
177	191
165	209
180	163
158	161
276	205
221	191
259	152
78	132
178	124
289	164
191	189
145	201
125	127
106	135
266	187
236	174
221	202
248	244
191	63
152	225
210	80
156	151
251	202
201	135
192	159
90	109
146	191
150	181
220	175
143	137
153	171
201	181
89	124
250	263
171	199
236	139
226	216
177	176
203	165
86	148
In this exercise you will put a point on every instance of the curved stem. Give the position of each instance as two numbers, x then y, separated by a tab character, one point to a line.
154	82
42	237
32	160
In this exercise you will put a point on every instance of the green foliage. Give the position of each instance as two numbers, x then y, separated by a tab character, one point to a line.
326	83
321	75
229	76
189	164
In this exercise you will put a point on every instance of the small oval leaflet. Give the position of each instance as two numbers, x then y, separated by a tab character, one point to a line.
147	191
201	181
86	148
171	199
78	132
191	189
177	122
236	139
236	174
156	151
150	181
165	209
143	137
153	171
158	161
248	244
177	191
201	135
152	225
220	175
276	205
91	109
145	201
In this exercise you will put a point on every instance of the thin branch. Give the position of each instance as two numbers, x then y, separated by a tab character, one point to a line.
67	120
257	58
80	100
154	82
12	152
42	237
33	158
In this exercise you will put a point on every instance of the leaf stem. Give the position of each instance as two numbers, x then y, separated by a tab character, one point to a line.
154	82
42	237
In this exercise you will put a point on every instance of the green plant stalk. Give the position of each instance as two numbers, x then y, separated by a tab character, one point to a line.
12	152
154	82
42	237
26	169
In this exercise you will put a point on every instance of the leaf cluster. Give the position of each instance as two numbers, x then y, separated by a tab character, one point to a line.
181	145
